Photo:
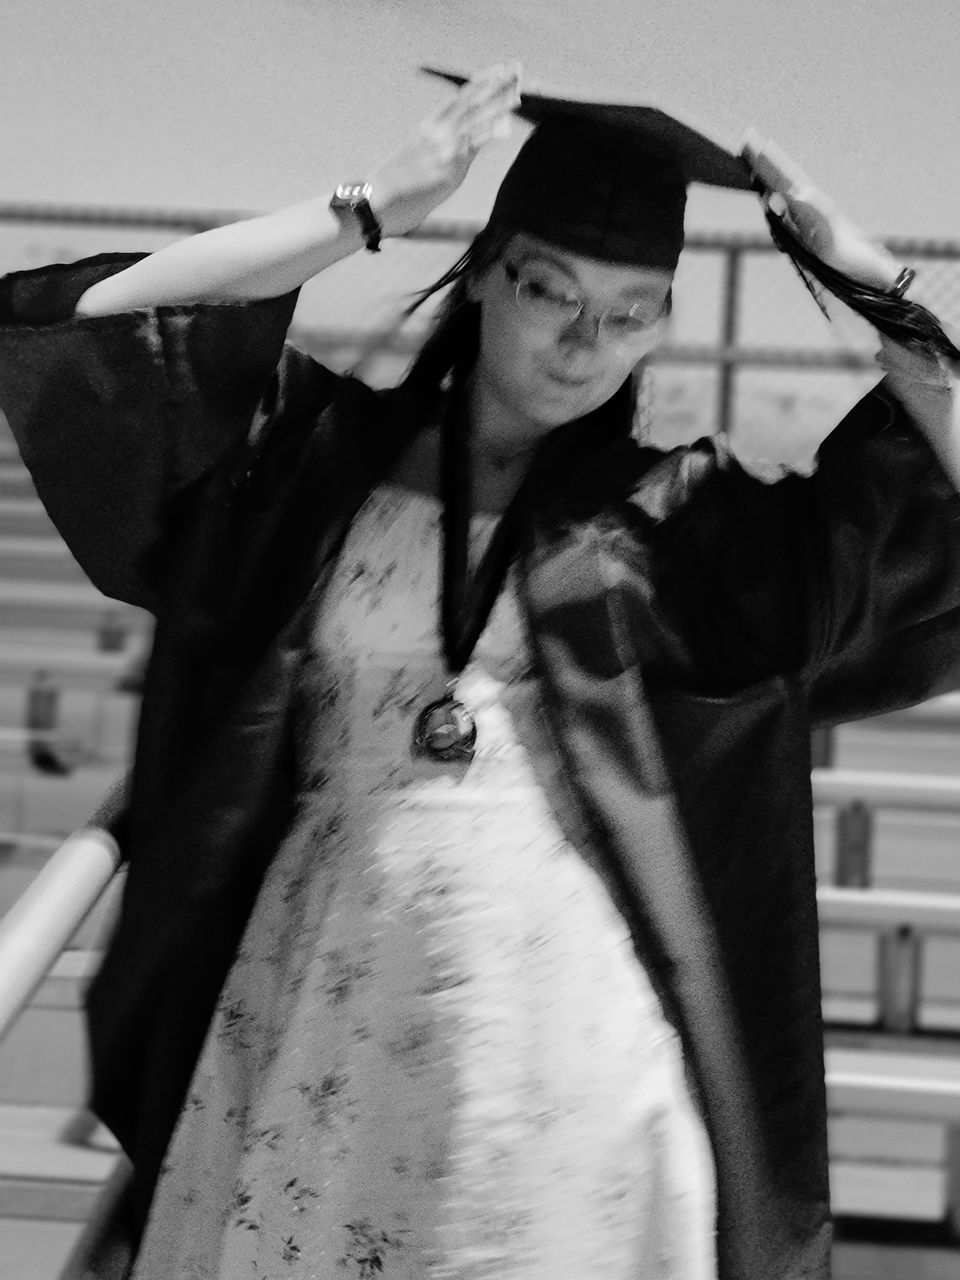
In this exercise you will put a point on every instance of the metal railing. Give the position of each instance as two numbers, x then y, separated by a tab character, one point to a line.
719	278
45	917
41	922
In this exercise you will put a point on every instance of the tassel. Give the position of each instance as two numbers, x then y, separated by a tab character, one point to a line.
894	316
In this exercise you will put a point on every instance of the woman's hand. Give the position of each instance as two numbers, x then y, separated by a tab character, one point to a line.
268	256
434	160
815	220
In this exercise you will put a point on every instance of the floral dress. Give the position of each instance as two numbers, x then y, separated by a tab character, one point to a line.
436	1056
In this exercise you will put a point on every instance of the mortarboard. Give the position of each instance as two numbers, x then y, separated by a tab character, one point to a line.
608	180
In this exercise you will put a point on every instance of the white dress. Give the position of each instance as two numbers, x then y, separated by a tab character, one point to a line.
436	1056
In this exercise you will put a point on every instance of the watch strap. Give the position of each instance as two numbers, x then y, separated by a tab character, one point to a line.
355	197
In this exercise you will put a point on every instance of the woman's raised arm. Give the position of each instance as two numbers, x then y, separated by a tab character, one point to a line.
926	383
270	255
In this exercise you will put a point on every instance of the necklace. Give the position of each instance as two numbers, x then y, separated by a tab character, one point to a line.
445	729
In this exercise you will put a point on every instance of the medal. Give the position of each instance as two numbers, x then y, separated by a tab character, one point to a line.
445	730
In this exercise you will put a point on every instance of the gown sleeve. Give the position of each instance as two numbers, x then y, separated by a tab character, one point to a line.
847	581
884	555
120	418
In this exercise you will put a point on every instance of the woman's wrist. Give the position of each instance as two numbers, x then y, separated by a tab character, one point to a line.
915	364
351	204
924	383
388	204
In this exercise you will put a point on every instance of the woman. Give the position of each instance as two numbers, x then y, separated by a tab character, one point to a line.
475	936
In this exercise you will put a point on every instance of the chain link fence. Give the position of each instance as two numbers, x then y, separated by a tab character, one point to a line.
747	350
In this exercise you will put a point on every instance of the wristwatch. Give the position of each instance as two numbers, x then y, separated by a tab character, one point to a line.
355	197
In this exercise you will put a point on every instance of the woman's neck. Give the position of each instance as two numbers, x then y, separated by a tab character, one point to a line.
501	452
501	438
502	446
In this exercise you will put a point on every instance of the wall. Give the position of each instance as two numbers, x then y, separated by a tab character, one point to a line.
254	103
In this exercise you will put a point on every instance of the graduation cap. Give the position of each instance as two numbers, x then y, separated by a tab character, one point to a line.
607	180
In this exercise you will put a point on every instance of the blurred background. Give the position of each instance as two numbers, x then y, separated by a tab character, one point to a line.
124	125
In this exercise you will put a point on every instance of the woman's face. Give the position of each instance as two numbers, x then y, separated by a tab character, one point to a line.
560	333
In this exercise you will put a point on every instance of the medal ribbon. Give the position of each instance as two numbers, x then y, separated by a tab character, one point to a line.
445	729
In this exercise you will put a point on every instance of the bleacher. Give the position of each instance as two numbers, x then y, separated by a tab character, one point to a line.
52	621
888	839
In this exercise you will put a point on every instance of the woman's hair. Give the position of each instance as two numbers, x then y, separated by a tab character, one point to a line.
896	317
482	252
452	341
450	348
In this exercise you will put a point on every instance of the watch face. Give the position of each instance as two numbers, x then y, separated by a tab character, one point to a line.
351	193
355	196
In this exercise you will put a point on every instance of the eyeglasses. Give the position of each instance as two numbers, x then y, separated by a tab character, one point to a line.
540	298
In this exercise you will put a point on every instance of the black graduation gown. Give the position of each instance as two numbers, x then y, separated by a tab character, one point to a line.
689	625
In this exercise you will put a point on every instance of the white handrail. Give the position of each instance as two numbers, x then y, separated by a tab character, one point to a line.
944	709
31	840
889	909
41	922
893	1084
43	919
872	1093
886	790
